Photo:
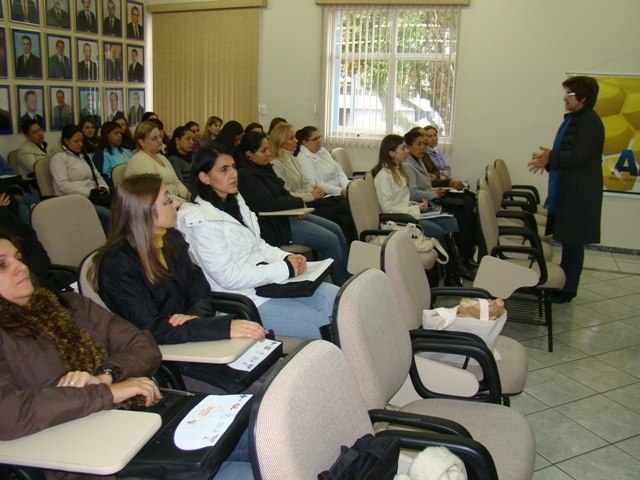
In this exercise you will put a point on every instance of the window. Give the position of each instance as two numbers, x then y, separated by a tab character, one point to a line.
389	70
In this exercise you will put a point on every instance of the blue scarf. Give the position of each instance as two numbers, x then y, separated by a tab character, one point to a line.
554	174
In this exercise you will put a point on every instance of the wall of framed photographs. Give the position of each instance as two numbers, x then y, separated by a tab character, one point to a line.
62	60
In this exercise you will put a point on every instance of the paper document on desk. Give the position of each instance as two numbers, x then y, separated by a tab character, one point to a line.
206	422
313	271
256	354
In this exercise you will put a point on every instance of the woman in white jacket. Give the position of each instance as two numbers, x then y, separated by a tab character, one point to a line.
74	172
225	241
317	164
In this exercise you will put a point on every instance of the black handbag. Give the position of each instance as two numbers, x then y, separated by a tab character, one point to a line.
305	288
370	458
100	196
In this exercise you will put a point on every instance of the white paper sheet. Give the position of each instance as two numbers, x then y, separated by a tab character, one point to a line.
206	422
256	354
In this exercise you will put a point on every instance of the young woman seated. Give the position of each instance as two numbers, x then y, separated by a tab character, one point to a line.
148	158
180	152
74	172
390	181
282	144
110	152
264	191
63	357
144	273
224	239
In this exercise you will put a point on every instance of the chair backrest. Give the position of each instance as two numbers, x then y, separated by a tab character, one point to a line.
44	179
364	205
341	156
487	219
374	340
495	186
86	289
12	160
68	227
503	174
308	407
117	174
401	262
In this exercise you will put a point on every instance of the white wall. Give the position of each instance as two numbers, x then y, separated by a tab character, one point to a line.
513	57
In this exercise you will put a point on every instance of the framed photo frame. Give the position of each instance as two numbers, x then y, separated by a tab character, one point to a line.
112	53
27	53
136	103
4	66
1	11
59	63
61	106
6	123
135	63
89	104
88	65
58	14
86	16
31	104
113	102
112	18
27	11
135	21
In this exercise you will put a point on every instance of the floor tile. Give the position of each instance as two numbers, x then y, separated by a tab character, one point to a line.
628	267
605	463
591	275
605	290
537	349
559	438
630	300
628	396
522	331
625	359
604	262
613	422
526	404
582	315
554	388
629	282
625	257
612	309
631	446
594	340
596	374
551	473
541	462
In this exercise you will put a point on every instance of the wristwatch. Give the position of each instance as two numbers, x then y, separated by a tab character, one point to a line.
108	371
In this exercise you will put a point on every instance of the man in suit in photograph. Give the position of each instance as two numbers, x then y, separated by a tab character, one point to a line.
136	111
111	25
86	20
112	65
31	107
87	68
27	64
113	106
135	72
62	112
25	11
90	111
134	28
60	64
57	16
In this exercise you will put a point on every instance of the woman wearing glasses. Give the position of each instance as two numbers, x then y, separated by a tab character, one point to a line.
148	159
144	273
574	200
317	164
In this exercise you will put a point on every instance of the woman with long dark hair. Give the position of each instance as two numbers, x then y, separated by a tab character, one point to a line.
224	239
264	191
110	152
74	172
390	181
180	152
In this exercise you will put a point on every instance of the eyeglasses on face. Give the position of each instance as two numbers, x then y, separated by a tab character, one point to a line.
569	93
168	199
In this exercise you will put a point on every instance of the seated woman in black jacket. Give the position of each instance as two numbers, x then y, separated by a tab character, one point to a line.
264	191
144	274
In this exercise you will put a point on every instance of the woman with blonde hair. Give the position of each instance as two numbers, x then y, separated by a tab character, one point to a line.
148	159
282	144
211	130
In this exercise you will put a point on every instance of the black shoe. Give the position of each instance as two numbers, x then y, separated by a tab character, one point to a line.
468	274
561	297
470	264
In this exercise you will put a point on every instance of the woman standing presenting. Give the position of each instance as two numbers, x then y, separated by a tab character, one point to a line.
574	198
